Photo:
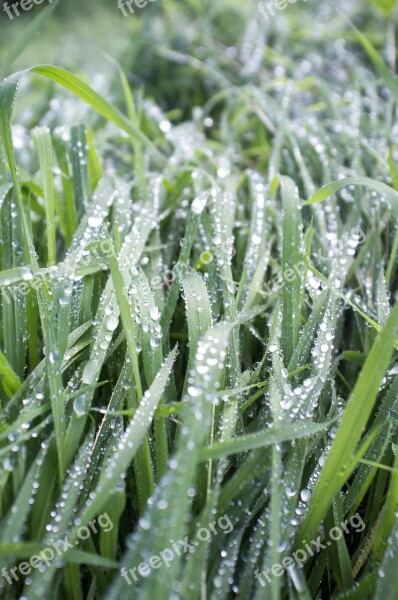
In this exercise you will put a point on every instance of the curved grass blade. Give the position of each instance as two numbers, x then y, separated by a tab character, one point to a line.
332	188
8	90
275	435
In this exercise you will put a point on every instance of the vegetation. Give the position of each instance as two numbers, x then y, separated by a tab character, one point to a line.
199	328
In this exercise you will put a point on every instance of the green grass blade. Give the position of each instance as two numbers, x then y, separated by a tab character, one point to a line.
332	188
356	415
261	439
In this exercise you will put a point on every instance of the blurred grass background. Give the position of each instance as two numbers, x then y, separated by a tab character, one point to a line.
182	52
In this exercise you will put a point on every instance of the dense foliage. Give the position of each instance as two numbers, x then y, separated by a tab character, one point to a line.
198	274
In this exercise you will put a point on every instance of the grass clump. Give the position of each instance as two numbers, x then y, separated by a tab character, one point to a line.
198	332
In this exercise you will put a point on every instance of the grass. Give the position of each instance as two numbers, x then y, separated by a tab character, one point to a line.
199	329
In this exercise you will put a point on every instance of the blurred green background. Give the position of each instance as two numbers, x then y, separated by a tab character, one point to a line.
228	36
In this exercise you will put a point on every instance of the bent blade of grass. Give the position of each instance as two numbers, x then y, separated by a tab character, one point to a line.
269	437
355	417
332	188
8	90
80	557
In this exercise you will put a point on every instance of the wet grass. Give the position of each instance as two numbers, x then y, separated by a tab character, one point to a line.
198	321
